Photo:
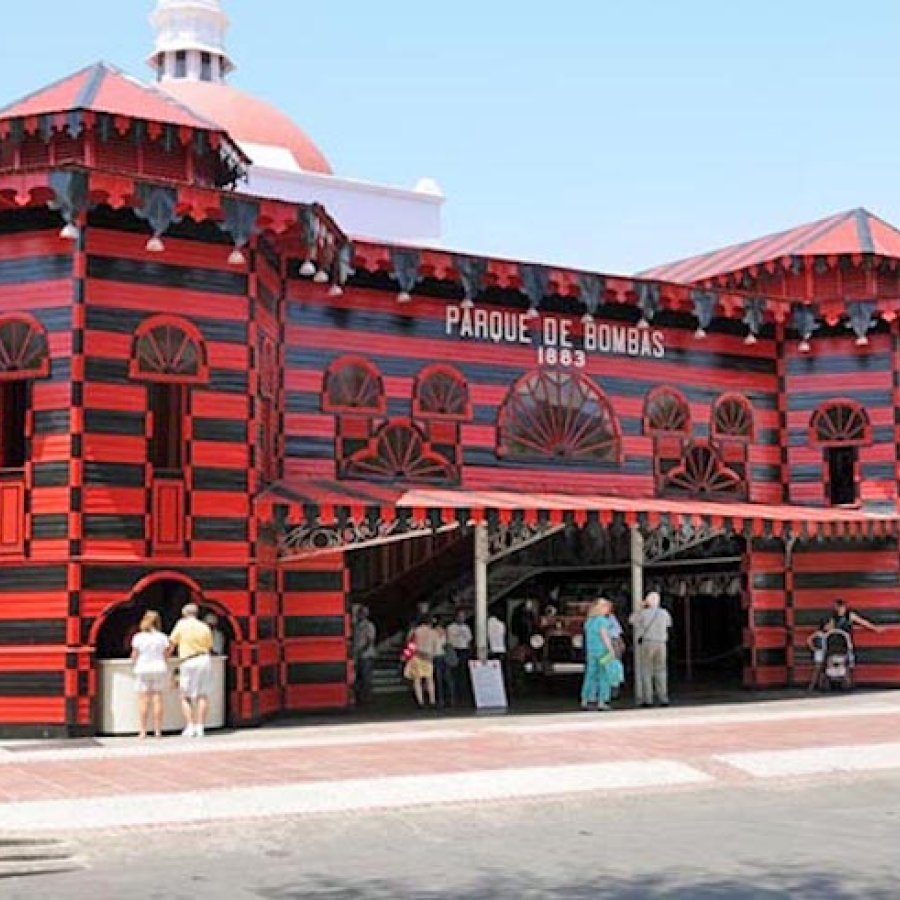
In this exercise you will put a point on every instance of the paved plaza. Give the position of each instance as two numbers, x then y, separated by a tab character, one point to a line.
736	801
341	768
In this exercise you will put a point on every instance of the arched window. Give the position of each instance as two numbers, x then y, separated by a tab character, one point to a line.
168	349
666	413
703	474
169	354
24	355
398	453
24	351
840	423
841	427
441	392
353	385
550	414
732	418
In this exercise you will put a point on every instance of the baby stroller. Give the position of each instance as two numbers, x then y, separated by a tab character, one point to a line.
838	660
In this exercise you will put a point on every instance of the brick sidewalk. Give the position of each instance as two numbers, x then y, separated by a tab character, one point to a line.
125	782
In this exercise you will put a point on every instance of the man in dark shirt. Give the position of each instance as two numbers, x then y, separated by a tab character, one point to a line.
843	619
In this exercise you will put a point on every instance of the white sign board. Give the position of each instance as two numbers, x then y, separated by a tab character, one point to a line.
487	684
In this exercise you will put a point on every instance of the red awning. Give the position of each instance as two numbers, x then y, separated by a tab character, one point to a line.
325	503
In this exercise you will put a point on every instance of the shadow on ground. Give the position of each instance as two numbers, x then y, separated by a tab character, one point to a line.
677	886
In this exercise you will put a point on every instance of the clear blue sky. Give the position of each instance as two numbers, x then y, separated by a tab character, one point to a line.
611	135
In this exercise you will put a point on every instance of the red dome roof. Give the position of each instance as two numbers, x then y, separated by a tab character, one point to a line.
248	120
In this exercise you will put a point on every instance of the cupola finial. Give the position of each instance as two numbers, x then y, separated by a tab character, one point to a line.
190	41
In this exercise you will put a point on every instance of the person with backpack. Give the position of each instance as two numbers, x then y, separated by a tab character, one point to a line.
651	633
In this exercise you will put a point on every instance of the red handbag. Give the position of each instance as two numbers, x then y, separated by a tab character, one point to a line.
409	651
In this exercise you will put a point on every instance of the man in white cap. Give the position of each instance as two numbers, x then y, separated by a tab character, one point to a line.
193	640
651	632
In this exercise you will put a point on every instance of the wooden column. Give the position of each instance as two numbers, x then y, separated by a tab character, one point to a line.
637	596
482	553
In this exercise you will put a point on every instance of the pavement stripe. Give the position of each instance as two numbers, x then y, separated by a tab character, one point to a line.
815	760
669	718
416	732
343	796
130	748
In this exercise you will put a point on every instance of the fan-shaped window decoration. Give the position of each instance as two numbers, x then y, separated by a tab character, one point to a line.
441	393
666	412
268	369
732	418
840	423
24	352
398	453
703	474
559	415
354	385
168	349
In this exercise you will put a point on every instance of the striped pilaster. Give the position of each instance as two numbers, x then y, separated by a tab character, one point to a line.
782	410
79	672
254	473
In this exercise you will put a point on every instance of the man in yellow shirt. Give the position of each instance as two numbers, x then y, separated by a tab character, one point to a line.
193	640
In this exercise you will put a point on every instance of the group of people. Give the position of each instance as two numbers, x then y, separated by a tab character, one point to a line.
436	658
194	641
604	649
842	619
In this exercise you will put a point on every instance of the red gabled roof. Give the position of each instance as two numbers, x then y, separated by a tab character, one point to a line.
854	231
102	88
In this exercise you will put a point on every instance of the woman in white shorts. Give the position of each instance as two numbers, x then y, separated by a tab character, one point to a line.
149	649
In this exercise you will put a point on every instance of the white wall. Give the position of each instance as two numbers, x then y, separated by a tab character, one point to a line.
361	209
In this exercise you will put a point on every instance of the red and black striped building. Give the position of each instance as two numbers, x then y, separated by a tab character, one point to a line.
224	394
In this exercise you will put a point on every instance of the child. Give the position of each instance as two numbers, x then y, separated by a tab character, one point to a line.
816	644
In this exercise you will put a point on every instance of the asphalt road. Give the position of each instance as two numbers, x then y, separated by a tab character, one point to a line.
838	838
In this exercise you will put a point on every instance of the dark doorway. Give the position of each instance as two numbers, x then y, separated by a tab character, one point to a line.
706	644
166	443
13	406
841	475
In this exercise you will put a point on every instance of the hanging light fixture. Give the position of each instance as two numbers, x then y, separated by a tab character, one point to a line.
592	289
648	302
155	245
406	263
308	269
335	291
70	232
805	323
321	277
236	258
704	309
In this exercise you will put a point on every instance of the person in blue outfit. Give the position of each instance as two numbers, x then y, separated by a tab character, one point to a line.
602	669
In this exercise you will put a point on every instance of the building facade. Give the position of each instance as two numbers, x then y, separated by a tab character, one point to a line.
208	393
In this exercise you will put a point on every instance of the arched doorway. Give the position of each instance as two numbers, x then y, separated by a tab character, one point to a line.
165	593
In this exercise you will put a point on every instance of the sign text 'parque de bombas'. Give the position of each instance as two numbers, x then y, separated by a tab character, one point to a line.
558	340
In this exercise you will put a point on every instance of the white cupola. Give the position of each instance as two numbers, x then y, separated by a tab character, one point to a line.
190	41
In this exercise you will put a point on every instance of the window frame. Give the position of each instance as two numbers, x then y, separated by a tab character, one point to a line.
190	331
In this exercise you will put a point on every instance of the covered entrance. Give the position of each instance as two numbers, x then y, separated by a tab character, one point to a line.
703	556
